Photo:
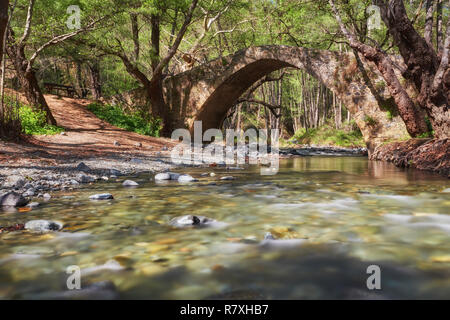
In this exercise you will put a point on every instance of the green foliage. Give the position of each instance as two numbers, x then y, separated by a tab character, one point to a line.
34	122
327	135
136	121
370	121
389	115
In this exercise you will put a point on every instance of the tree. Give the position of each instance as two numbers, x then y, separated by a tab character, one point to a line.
427	69
25	50
4	7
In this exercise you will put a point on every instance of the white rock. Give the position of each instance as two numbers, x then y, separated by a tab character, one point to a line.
43	225
228	178
102	196
130	183
186	178
163	176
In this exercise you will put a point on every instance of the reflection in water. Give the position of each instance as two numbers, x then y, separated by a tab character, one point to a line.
349	213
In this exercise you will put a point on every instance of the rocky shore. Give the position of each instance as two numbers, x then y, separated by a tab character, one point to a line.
423	154
40	180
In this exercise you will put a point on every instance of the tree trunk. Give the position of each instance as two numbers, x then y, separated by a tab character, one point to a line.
415	124
94	77
29	83
3	22
428	73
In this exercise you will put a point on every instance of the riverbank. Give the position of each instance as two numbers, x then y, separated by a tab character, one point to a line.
422	154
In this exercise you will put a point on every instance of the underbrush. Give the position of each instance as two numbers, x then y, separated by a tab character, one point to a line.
28	121
138	122
329	136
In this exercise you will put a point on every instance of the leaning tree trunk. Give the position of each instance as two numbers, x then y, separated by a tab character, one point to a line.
425	68
29	83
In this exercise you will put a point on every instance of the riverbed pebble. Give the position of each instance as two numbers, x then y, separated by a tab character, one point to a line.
102	196
227	178
191	220
130	183
186	178
43	225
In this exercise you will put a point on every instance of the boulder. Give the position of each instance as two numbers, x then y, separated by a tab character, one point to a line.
12	199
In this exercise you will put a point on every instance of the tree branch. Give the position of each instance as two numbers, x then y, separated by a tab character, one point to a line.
27	31
176	44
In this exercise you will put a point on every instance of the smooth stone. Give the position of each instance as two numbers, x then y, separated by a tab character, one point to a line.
47	196
12	199
130	183
190	220
29	193
83	167
102	196
163	176
43	225
228	178
33	205
186	178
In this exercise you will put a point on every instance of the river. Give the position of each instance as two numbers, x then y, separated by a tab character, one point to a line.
350	213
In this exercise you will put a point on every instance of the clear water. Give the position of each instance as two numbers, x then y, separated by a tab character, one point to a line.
351	212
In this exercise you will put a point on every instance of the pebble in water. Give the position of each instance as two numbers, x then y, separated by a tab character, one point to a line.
227	178
162	176
186	178
43	225
102	196
191	220
130	183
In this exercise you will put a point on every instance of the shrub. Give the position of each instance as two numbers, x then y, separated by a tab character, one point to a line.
138	122
35	123
328	135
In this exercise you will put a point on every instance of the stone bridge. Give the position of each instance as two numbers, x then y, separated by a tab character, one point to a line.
208	91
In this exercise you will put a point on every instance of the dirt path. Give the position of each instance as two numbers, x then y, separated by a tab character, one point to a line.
86	136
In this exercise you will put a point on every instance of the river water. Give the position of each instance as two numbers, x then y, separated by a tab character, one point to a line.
351	213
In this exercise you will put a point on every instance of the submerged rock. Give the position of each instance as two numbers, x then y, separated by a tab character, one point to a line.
12	199
130	183
33	205
162	176
102	196
190	220
186	178
43	225
228	178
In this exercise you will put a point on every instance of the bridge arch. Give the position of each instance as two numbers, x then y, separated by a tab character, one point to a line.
206	92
